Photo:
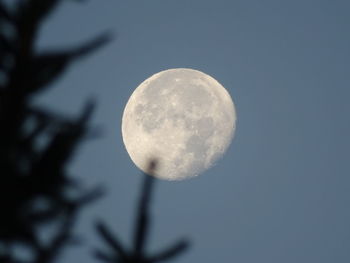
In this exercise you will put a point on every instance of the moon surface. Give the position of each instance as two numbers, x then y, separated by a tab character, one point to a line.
182	118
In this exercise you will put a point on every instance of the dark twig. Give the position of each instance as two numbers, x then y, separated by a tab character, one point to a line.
137	253
112	241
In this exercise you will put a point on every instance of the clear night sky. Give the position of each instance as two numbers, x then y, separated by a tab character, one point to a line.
282	191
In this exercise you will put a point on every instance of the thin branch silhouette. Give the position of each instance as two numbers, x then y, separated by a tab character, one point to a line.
137	254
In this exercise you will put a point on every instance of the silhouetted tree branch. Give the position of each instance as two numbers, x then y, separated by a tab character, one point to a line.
35	188
137	254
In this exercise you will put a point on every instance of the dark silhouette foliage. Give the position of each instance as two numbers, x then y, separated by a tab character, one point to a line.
36	191
35	188
118	253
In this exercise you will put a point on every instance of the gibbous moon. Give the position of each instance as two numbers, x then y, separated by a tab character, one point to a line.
183	118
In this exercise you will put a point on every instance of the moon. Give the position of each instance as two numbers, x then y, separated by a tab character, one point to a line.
183	118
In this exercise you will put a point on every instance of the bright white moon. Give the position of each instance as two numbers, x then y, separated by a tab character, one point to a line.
181	117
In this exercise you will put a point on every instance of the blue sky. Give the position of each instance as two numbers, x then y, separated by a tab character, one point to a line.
282	191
